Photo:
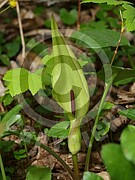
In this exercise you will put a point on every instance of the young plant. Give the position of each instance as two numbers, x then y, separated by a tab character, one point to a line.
73	97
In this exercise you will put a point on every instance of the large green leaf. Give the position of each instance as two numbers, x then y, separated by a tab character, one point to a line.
17	81
129	16
70	88
91	176
34	83
98	38
123	75
127	143
67	75
117	165
20	80
111	2
129	113
38	173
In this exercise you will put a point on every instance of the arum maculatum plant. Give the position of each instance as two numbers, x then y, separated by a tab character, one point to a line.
70	89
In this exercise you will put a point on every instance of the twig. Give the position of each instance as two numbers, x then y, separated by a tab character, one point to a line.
3	3
79	14
121	35
21	29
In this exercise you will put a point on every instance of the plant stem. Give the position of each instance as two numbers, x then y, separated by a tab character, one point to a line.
21	29
119	41
107	87
50	151
76	169
79	14
26	150
2	169
4	10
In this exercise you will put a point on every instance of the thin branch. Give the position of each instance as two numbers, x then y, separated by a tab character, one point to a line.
21	29
3	3
121	35
79	14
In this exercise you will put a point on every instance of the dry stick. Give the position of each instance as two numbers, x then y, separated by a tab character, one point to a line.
3	3
87	162
79	14
121	35
21	29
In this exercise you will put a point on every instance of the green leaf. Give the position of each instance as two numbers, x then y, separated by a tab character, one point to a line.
127	143
67	69
98	38
12	48
5	59
12	112
20	80
39	10
60	130
9	119
68	18
111	2
117	165
103	128
129	113
38	173
7	99
123	75
129	16
108	105
17	81
6	146
91	176
21	154
35	83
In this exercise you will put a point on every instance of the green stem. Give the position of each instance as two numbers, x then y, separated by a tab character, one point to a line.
87	162
51	152
26	150
25	147
107	87
76	169
4	10
2	169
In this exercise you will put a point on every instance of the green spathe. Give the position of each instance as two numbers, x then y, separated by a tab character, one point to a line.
67	75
